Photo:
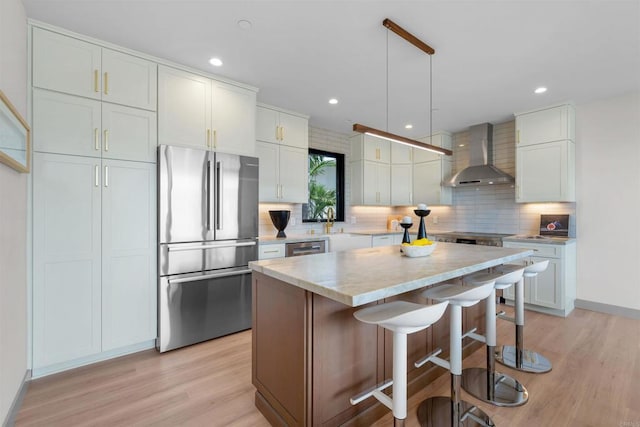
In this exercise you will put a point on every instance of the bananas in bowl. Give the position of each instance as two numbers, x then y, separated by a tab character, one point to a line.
418	248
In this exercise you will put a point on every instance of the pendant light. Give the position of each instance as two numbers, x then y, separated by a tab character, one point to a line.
357	127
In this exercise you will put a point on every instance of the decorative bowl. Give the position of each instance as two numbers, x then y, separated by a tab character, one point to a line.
417	251
280	219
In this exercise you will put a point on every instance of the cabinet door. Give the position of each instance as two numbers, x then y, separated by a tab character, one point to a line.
293	174
66	64
128	133
546	288
184	109
383	179
234	119
401	154
129	80
128	253
543	173
385	240
376	149
268	183
294	131
66	124
427	179
551	124
66	258
370	194
267	122
401	184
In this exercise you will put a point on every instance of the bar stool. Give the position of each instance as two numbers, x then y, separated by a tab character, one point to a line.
453	411
401	318
517	357
486	384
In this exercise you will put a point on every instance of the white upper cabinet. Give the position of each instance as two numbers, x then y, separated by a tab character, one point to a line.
401	185
555	123
366	147
401	154
198	112
66	64
68	124
282	127
545	155
430	169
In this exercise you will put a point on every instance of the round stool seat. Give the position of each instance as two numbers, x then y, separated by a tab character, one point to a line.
402	316
533	269
464	296
509	274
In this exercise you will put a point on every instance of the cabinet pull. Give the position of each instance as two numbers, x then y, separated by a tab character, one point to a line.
281	133
96	176
208	137
106	176
106	140
377	154
106	83
274	251
215	139
95	139
95	81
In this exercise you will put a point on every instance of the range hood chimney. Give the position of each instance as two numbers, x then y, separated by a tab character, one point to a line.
480	170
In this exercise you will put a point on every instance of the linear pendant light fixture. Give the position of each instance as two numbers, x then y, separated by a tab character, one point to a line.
390	25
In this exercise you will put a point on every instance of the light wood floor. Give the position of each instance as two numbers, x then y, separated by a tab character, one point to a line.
595	382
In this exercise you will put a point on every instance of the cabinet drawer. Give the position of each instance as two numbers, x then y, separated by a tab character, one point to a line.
549	251
271	251
385	240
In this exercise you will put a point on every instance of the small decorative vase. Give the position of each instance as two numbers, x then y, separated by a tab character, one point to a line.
422	231
280	219
405	237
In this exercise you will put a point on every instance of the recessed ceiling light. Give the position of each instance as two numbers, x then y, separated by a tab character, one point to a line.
244	24
333	101
408	126
540	90
216	62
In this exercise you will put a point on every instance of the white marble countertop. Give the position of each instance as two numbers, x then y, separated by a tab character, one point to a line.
361	276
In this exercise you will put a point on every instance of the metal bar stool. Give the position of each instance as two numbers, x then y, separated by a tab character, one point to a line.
453	411
486	384
401	318
517	357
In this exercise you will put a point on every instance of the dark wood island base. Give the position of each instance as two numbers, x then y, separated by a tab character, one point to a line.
310	355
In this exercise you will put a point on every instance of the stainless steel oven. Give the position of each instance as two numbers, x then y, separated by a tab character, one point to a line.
305	248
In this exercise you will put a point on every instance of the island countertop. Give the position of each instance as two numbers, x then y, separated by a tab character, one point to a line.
361	276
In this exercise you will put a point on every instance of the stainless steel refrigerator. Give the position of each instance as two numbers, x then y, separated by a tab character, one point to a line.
208	229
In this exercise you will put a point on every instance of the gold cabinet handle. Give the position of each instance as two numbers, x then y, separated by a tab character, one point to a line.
96	140
95	81
277	133
281	133
106	176
106	83
208	137
96	176
106	140
215	139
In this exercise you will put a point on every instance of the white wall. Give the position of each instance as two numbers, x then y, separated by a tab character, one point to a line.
608	201
13	213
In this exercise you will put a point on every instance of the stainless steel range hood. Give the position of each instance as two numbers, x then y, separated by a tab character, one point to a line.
480	170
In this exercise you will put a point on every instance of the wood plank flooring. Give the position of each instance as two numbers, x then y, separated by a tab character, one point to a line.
595	381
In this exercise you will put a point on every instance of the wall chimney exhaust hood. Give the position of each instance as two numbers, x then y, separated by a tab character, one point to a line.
480	170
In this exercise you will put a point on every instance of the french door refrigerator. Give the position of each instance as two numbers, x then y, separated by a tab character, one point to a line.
208	229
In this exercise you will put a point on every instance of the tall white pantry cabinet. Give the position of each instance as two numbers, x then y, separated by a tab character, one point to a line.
94	201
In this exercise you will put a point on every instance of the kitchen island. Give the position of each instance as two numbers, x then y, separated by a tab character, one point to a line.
310	355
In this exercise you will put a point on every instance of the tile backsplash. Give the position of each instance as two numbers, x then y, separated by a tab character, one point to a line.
490	209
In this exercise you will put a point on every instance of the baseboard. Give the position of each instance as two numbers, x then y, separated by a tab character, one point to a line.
608	309
10	420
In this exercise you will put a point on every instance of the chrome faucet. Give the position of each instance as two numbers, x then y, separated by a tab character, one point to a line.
330	220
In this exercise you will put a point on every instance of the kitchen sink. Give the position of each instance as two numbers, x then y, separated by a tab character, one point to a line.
345	241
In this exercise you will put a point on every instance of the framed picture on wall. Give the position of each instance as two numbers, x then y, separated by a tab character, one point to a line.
15	137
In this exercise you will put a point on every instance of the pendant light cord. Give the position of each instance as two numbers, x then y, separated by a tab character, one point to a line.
387	124
430	98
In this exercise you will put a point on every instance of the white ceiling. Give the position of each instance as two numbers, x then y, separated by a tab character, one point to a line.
490	55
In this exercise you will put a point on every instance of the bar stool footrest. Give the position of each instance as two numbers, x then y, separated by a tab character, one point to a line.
472	334
433	358
503	316
370	392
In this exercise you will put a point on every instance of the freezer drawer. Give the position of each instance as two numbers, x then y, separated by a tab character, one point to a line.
201	306
181	258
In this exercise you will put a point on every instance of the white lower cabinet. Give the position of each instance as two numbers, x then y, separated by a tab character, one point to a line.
553	290
94	257
383	240
276	250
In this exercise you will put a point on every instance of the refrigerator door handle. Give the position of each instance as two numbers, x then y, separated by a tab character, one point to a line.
209	276
200	247
219	201
209	196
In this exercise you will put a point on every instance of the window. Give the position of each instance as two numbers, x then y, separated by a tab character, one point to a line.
326	186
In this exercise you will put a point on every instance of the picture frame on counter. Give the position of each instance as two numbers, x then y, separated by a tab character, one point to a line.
15	137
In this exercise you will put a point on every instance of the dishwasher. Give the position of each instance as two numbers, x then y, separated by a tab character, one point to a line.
305	248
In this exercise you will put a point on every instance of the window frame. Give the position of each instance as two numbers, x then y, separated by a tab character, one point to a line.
340	190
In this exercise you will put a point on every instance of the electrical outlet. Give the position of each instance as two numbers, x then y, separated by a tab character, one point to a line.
353	220
292	221
435	219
